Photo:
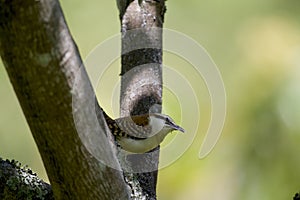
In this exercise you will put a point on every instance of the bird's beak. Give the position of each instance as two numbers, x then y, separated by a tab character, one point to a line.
175	127
178	128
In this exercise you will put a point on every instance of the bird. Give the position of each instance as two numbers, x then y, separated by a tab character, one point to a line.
141	133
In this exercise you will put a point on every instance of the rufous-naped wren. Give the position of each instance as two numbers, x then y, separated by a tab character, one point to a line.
141	133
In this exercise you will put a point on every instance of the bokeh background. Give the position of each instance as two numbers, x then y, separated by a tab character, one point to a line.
256	45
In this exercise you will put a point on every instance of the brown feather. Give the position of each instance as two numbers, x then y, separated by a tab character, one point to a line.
141	120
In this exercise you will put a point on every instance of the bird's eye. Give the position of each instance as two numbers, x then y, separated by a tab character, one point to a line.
167	120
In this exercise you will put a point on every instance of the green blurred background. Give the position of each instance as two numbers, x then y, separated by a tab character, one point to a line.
256	45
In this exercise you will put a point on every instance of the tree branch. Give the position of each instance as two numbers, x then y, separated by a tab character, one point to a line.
46	71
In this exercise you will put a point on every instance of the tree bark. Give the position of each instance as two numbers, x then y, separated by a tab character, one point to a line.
18	182
46	71
141	82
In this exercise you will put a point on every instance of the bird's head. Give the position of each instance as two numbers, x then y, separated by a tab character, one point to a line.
163	123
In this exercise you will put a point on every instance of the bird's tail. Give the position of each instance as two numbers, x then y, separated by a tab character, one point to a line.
107	118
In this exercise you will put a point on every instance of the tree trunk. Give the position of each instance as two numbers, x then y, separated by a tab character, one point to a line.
141	83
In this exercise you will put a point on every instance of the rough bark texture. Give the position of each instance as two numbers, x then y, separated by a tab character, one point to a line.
17	182
141	83
52	86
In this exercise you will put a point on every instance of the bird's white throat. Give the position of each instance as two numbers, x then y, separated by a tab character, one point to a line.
156	124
